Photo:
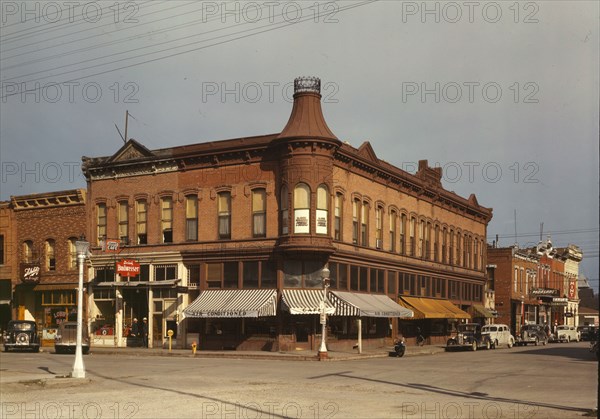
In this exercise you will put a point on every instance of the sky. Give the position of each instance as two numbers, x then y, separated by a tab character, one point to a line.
502	95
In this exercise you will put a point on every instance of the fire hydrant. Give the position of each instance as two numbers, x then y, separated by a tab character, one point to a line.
194	348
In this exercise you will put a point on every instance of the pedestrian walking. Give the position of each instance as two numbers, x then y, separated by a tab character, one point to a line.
135	332
144	332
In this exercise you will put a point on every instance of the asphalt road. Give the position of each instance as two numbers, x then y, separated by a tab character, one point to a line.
554	381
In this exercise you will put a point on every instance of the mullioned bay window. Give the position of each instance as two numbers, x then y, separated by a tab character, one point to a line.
301	208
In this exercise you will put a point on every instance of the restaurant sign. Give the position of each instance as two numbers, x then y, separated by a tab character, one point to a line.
544	291
30	273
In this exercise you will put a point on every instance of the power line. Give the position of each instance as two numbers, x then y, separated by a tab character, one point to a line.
269	29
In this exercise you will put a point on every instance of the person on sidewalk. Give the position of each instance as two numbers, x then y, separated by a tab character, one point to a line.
134	332
144	332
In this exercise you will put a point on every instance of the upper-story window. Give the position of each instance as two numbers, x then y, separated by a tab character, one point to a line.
28	251
191	218
283	204
393	221
166	219
436	244
322	209
50	255
259	213
421	249
451	247
124	222
411	234
516	279
403	234
141	218
2	259
476	255
355	206
364	224
337	224
427	251
101	221
444	244
224	215
459	245
72	252
466	251
378	227
302	208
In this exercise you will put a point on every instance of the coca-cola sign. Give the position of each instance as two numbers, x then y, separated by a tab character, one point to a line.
30	273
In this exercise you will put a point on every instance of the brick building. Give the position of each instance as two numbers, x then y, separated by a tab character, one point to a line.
8	262
536	285
233	236
46	228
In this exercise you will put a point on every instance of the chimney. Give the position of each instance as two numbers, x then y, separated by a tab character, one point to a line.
306	120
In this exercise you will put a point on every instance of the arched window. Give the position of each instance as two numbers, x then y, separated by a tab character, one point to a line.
259	213
283	204
338	217
322	209
224	215
302	208
191	218
124	222
379	227
50	255
355	205
411	233
141	211
167	219
101	222
28	251
451	247
403	234
364	224
393	220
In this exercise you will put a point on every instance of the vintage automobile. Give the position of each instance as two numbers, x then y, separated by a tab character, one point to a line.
499	335
66	338
532	333
469	336
565	333
587	333
21	334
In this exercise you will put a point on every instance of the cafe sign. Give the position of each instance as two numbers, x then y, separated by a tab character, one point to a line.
30	273
128	268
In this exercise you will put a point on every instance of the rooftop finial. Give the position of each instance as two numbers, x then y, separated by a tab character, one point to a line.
307	84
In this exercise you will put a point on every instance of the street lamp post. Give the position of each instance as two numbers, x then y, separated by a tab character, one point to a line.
78	368
323	349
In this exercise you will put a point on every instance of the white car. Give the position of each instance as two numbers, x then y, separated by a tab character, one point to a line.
567	334
499	335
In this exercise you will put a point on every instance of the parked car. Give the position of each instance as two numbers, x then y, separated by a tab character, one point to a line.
499	335
565	333
532	333
21	334
469	336
587	332
66	338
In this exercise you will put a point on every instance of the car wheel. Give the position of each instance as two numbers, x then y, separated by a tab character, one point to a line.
5	348
488	345
495	343
568	339
545	342
474	346
510	343
537	341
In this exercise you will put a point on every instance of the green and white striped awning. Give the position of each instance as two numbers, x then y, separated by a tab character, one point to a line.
305	302
366	305
233	303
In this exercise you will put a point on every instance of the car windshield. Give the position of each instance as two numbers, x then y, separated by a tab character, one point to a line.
467	327
563	327
22	326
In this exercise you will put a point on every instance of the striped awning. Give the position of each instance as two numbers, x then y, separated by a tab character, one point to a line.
480	311
431	308
305	302
233	303
366	305
162	283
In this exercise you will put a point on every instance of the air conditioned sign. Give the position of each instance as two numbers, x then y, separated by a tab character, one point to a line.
110	245
128	268
30	273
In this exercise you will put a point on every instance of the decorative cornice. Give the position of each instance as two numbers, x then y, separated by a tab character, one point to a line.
49	200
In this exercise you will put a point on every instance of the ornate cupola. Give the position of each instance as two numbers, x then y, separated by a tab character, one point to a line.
306	149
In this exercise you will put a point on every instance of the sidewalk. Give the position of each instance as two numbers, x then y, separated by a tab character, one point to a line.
287	356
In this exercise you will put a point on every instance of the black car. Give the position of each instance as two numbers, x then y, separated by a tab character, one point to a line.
469	336
587	332
21	334
532	333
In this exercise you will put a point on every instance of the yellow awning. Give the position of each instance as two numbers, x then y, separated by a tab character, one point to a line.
430	308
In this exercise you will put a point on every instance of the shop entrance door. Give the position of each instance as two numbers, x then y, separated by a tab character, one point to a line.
157	331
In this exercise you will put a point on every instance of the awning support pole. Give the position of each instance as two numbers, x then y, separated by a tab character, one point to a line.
359	324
